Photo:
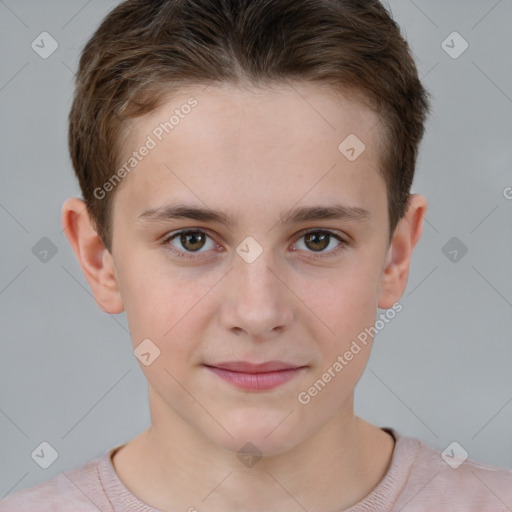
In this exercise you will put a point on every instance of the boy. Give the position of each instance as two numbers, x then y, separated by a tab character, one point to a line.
246	169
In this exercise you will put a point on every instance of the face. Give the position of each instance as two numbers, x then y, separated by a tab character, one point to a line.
283	264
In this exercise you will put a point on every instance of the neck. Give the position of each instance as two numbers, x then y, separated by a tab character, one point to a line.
172	467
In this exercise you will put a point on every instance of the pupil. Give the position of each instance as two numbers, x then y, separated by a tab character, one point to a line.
194	237
324	240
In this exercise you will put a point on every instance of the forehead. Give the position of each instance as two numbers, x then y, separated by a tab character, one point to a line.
236	147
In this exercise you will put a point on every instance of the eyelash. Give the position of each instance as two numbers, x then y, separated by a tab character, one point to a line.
193	255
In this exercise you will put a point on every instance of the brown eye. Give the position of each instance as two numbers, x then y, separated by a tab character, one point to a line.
188	243
324	243
192	240
317	241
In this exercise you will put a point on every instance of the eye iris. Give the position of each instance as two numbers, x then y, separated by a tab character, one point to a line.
318	239
195	238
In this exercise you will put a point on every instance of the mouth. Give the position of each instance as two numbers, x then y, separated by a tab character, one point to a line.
256	377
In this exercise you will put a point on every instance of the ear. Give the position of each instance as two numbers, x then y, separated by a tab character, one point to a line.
96	262
395	274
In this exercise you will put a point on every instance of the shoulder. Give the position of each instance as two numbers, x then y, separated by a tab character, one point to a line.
77	490
453	480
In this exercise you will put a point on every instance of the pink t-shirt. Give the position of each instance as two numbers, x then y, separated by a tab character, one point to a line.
418	480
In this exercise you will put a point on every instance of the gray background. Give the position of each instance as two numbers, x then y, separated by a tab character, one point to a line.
440	371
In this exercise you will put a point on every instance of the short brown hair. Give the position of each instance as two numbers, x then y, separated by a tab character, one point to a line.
145	49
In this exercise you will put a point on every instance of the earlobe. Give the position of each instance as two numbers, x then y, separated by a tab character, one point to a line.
395	274
95	260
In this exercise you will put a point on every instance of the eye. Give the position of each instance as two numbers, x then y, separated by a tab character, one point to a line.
188	241
317	241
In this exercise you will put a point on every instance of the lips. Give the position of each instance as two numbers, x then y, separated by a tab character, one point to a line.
256	377
246	367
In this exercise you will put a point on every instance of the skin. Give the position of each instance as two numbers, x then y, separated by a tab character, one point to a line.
253	154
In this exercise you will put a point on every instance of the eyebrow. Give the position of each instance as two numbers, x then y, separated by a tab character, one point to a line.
295	215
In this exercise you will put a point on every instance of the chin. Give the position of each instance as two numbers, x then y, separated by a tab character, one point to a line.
260	435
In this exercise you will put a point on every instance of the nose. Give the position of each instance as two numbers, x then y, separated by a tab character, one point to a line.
257	301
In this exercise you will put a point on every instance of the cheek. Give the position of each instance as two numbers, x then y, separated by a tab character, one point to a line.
162	303
349	310
344	300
